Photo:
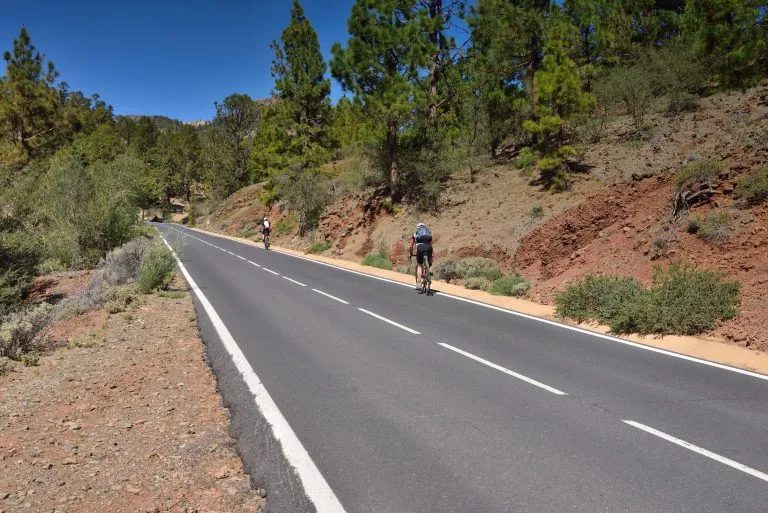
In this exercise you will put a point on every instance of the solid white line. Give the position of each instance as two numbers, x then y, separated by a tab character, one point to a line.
503	369
330	296
271	271
699	450
294	281
393	323
317	488
539	319
254	263
241	257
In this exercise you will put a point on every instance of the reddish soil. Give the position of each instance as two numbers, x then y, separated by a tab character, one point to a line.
131	424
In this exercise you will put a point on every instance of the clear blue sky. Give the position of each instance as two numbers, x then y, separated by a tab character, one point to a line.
167	57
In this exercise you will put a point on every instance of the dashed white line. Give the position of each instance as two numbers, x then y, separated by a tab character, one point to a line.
317	488
294	281
253	263
330	296
241	258
393	323
271	271
503	369
699	450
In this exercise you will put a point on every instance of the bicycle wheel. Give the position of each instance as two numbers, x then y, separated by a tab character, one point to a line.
427	279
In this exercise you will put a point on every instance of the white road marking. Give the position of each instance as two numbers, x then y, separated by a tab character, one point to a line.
294	281
254	263
271	271
241	258
534	318
316	487
330	296
503	369
699	450
393	323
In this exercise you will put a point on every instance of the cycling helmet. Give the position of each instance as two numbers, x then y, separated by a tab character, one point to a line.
420	225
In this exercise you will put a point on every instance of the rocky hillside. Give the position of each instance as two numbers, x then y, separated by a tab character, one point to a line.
616	218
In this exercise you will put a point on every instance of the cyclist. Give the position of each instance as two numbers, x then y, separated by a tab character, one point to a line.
422	240
265	228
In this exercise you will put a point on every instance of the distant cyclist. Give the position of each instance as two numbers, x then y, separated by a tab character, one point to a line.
422	240
265	229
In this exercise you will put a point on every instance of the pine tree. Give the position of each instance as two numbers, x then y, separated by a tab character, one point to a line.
382	65
30	106
304	93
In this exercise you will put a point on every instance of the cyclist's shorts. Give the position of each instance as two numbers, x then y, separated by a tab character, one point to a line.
423	250
266	231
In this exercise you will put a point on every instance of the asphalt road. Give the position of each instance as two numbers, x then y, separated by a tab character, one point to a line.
408	403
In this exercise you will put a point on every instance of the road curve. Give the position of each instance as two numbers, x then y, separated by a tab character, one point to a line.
408	404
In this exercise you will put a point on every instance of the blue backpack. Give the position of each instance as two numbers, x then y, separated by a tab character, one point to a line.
423	235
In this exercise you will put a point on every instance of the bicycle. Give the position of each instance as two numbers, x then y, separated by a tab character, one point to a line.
266	240
426	280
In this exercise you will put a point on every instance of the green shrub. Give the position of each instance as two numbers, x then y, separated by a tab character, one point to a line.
714	228
113	307
30	359
378	259
478	267
85	341
477	283
156	270
698	173
537	212
446	270
683	300
513	285
284	226
6	365
753	188
596	298
20	331
318	247
526	159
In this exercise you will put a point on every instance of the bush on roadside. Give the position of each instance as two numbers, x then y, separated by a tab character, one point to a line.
752	189
477	283
318	247
446	270
478	267
20	331
596	298
378	259
683	300
284	226
121	265
157	269
513	285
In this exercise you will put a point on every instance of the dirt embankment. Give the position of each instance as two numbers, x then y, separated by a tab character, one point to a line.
129	421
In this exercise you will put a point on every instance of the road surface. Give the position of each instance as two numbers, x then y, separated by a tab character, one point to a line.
406	403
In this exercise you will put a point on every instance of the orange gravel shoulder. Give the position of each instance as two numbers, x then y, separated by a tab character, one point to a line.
130	423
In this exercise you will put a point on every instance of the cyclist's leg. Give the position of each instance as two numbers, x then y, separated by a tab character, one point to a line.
419	263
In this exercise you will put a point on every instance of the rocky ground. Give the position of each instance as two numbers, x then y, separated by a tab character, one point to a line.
121	415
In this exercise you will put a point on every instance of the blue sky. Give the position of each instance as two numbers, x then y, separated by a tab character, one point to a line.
168	57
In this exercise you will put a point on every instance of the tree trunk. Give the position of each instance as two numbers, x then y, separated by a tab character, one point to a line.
435	11
392	156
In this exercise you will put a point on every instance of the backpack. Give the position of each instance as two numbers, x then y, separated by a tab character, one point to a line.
423	235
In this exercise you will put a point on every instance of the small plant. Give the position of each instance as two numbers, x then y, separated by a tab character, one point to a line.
477	283
284	226
478	267
753	188
446	270
157	269
6	365
537	212
30	359
20	331
114	307
513	285
172	294
526	160
128	317
85	341
318	247
694	183
714	228
378	259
